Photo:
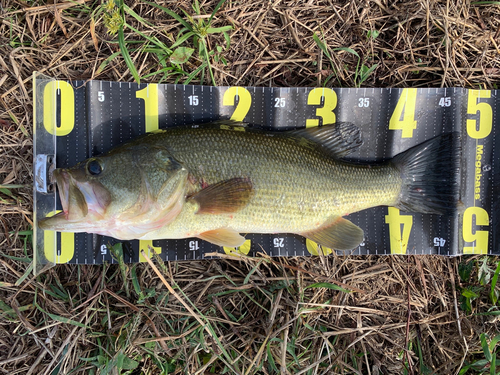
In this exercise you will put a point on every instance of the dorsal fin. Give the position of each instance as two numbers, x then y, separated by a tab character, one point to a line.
338	140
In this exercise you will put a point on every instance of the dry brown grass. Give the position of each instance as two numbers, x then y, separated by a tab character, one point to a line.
257	308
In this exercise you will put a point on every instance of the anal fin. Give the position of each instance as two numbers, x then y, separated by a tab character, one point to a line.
223	237
338	234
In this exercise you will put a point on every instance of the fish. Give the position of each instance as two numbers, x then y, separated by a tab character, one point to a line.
220	180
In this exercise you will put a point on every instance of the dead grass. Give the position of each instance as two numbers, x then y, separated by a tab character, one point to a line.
253	316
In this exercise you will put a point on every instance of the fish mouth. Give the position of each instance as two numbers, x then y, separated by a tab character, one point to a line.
79	200
61	178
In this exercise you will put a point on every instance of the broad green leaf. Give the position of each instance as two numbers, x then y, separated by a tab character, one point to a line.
181	55
468	293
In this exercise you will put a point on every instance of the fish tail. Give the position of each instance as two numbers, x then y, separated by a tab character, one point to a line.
430	173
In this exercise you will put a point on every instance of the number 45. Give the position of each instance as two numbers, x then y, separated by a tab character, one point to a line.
445	102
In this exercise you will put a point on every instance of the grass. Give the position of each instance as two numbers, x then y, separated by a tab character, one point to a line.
173	55
414	315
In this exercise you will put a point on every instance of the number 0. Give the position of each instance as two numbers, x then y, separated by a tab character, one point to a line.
65	90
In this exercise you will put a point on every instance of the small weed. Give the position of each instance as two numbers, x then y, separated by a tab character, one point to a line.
171	57
488	364
372	34
198	30
362	71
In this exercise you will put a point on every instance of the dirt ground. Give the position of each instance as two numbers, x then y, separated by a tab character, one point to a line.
405	314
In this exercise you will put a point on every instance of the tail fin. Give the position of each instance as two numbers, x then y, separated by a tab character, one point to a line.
430	173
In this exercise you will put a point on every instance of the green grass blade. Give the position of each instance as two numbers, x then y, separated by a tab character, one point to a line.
153	40
328	286
171	14
228	40
366	73
321	45
216	9
136	16
494	341
61	319
347	49
493	295
25	275
194	73
12	186
486	348
207	60
182	39
213	30
126	55
105	63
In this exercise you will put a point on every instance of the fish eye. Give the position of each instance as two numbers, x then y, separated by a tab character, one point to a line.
94	167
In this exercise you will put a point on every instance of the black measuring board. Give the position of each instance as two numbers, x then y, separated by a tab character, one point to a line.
106	114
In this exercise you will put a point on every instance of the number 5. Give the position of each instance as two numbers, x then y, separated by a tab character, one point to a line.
485	114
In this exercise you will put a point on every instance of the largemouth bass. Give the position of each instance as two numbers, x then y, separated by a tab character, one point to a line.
216	181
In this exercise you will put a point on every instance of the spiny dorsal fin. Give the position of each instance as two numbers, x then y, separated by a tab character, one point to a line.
223	237
338	140
224	197
339	234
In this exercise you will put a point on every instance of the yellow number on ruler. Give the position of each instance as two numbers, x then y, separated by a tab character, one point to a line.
150	96
50	245
398	239
312	247
480	236
482	128
243	249
403	117
67	107
244	103
325	112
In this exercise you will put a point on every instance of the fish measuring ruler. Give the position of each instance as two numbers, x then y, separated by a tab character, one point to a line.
76	120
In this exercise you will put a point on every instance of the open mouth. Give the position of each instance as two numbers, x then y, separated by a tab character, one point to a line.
74	205
61	178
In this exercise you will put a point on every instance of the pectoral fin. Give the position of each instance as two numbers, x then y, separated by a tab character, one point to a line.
224	197
339	234
223	237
